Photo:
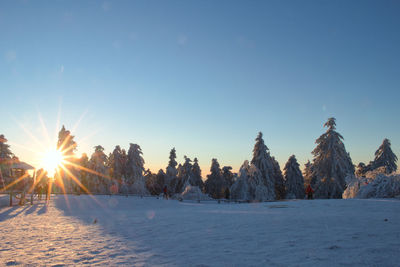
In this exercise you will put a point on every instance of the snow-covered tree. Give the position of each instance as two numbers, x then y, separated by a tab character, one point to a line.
384	157
5	157
67	145
135	169
116	163
279	181
196	179
84	175
307	173
152	184
264	163
184	176
66	142
171	172
331	163
215	185
294	181
228	176
98	182
250	185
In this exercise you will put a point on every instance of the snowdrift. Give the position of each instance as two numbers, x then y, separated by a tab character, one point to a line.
374	185
191	193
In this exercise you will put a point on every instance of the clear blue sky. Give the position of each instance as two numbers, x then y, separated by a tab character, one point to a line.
201	76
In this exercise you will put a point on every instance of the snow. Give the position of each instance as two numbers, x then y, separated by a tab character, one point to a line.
119	230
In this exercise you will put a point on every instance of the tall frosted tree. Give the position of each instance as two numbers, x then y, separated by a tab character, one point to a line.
135	169
66	142
67	145
331	163
294	181
98	163
215	185
307	174
5	157
116	163
228	175
171	172
250	185
278	178
84	176
185	175
264	163
384	157
196	178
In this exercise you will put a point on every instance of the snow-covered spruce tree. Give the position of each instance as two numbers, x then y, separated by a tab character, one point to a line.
384	157
67	145
66	142
184	175
171	172
331	163
84	175
135	169
250	185
215	185
116	164
307	173
196	179
263	161
228	176
294	181
279	181
98	161
151	183
160	179
5	157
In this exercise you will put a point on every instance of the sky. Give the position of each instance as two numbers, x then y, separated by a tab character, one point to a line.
201	76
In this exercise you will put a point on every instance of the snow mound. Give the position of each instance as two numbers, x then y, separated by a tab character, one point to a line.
192	193
381	187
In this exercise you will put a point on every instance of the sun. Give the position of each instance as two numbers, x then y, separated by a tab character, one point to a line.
52	160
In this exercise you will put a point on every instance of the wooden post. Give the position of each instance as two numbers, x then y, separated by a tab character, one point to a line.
10	198
32	198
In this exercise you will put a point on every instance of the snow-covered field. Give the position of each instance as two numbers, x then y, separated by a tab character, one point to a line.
150	232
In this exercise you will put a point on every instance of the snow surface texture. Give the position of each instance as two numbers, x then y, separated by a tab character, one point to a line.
147	231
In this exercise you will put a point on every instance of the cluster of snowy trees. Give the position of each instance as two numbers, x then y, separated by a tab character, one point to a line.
330	173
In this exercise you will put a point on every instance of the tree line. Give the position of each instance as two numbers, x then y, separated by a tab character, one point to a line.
261	179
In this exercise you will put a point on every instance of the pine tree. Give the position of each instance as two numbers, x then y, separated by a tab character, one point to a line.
185	175
307	174
331	163
227	175
250	185
67	145
116	163
152	184
197	180
83	174
98	183
294	181
5	157
279	181
263	161
171	172
215	186
66	142
384	157
135	169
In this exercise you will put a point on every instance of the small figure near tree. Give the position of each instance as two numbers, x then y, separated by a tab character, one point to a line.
165	190
309	192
